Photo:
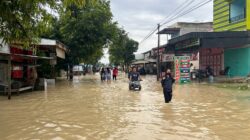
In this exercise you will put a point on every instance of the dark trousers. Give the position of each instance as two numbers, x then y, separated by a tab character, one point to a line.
167	95
114	77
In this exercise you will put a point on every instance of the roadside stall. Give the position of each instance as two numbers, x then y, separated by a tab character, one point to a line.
5	68
18	64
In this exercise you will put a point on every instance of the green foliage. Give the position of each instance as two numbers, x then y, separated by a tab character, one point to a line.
86	30
123	48
89	29
85	26
45	69
25	20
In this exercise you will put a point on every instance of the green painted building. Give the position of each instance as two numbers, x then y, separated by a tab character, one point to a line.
234	15
231	15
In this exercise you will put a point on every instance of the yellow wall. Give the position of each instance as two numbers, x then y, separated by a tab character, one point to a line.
221	17
248	14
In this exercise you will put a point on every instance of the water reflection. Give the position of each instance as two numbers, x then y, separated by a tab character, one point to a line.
87	109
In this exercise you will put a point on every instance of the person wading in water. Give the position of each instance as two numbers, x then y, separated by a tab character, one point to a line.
115	73
108	75
167	84
102	73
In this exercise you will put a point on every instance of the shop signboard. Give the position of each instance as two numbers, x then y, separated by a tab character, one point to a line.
161	51
182	69
168	58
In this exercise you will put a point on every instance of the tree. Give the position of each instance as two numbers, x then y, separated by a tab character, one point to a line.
89	29
25	20
86	30
123	48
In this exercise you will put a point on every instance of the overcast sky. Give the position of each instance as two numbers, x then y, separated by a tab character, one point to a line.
139	17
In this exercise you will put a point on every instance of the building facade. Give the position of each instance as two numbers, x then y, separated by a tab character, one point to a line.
234	15
187	27
231	15
181	28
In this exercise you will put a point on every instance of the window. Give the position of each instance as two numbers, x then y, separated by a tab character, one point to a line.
237	10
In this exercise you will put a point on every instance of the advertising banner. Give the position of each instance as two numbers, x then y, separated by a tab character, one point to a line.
182	69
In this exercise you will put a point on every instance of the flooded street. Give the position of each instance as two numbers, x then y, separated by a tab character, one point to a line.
90	110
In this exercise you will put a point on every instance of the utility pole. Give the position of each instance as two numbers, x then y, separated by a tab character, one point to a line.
158	54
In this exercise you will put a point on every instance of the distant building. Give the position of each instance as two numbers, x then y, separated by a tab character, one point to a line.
181	28
145	60
166	52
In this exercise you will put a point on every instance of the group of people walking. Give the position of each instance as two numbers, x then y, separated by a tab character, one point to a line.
106	74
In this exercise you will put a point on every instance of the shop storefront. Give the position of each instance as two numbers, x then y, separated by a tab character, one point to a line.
218	50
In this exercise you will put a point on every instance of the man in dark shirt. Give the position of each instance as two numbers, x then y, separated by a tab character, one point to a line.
167	84
135	79
134	75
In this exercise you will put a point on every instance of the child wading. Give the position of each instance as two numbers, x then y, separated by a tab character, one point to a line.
167	84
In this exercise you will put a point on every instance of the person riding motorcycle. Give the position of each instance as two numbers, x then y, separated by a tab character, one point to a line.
134	77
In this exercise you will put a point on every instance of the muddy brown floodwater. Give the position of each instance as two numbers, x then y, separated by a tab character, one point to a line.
90	110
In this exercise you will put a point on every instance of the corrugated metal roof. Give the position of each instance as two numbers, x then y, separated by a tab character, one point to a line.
169	31
215	35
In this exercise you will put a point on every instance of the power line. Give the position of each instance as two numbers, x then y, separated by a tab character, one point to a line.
177	16
188	11
149	35
182	7
173	14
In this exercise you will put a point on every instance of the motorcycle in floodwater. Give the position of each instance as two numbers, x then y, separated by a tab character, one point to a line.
135	85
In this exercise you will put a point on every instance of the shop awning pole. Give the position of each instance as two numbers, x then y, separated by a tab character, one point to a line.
9	77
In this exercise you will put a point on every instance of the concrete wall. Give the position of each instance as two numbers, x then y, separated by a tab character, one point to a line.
238	60
186	27
195	27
